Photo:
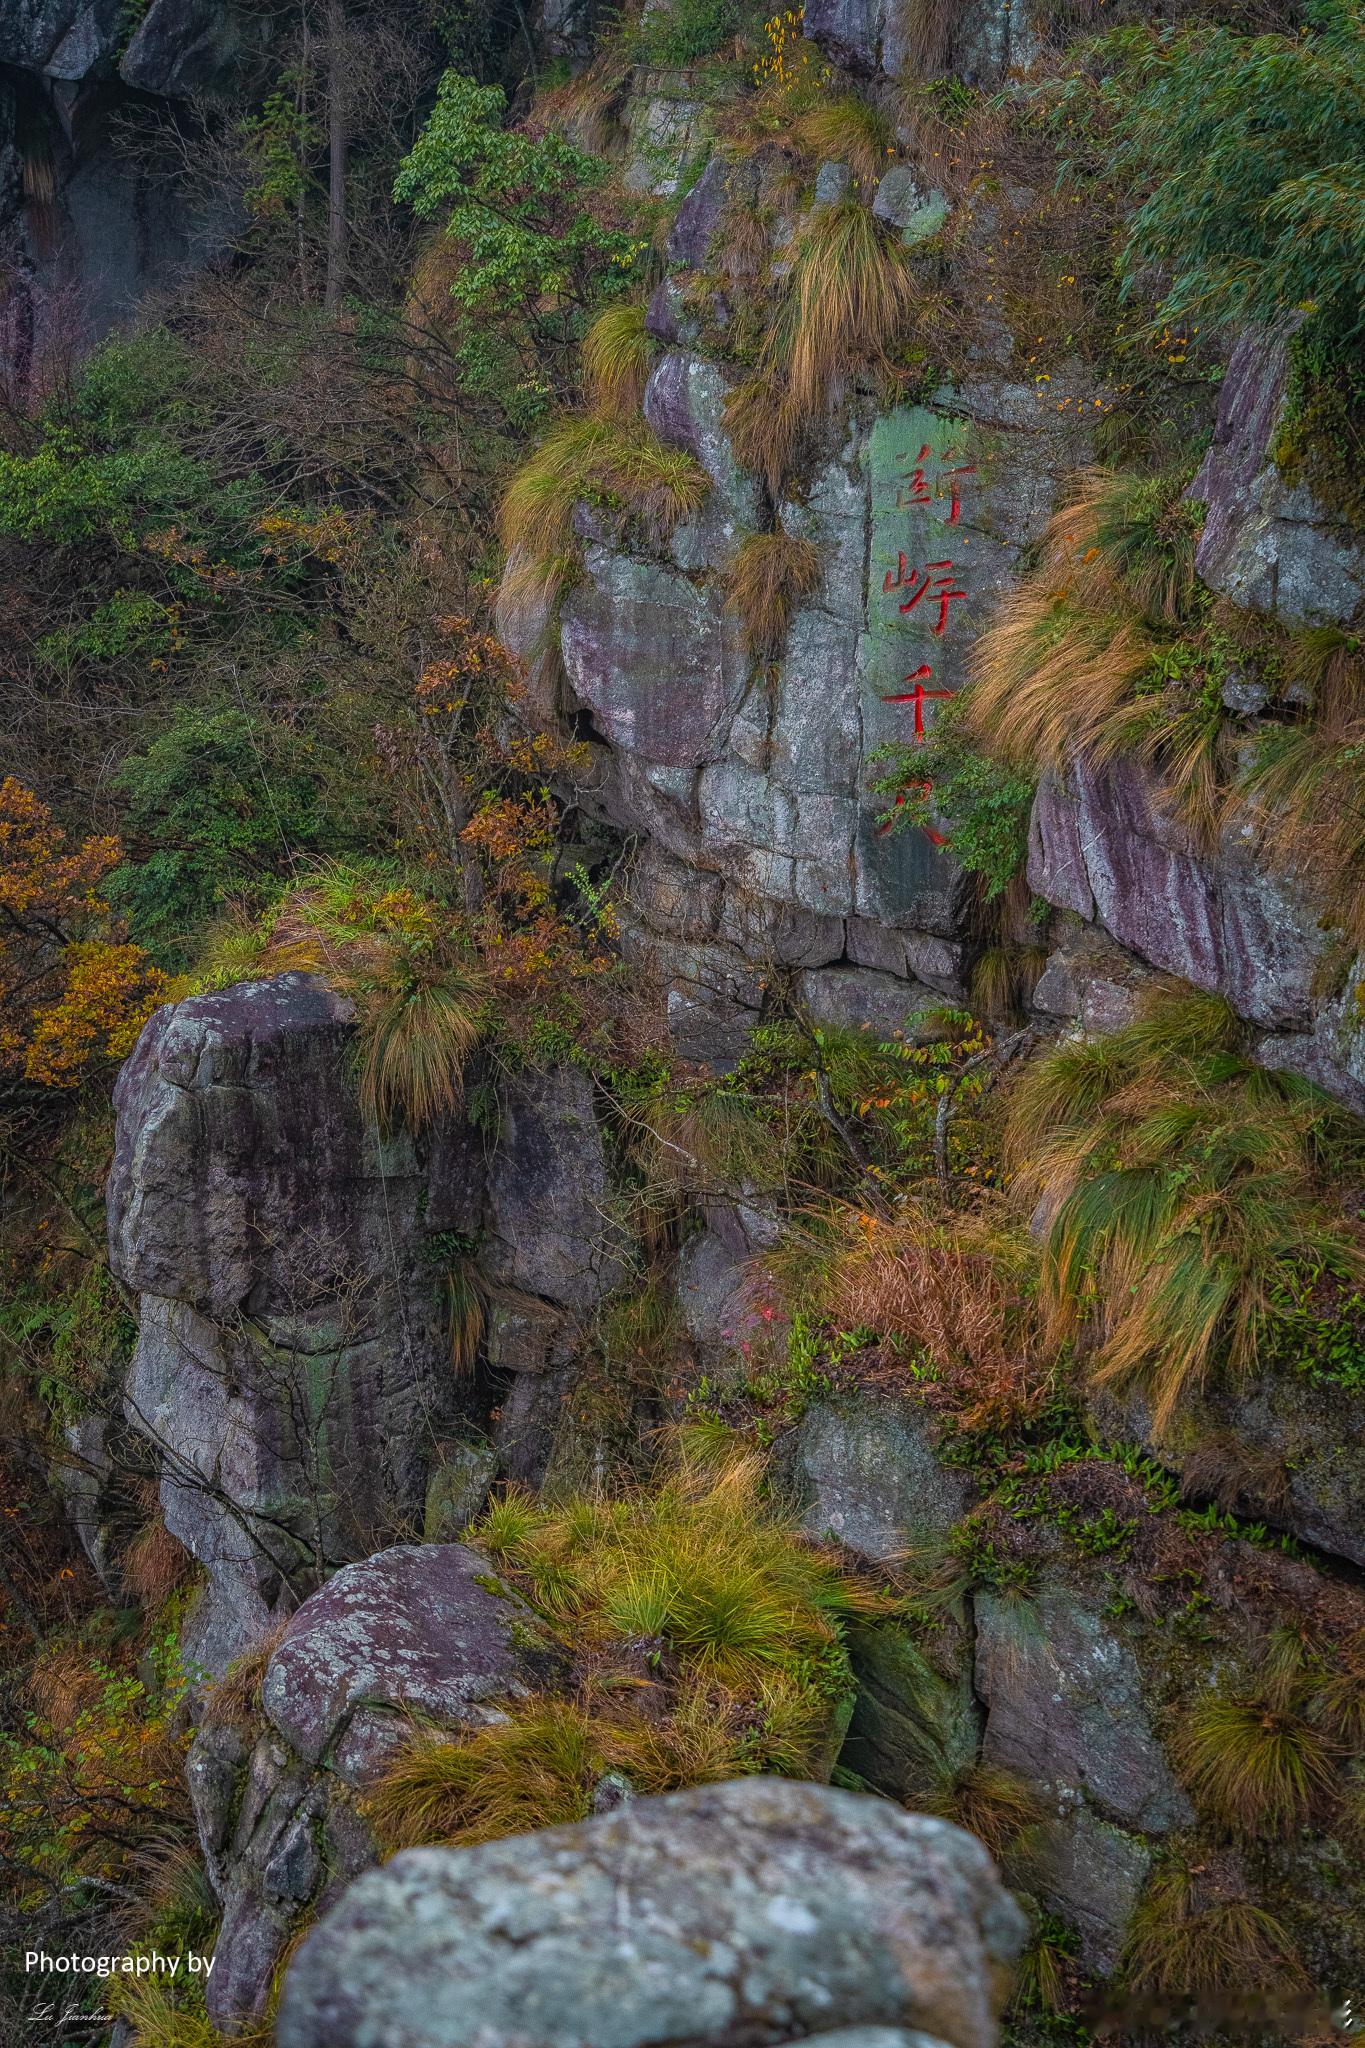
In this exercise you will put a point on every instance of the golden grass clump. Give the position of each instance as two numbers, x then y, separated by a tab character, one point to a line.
414	1039
847	130
845	301
926	28
421	1006
611	462
1182	1185
1058	671
235	1700
540	1766
707	1638
155	1563
851	290
772	573
616	359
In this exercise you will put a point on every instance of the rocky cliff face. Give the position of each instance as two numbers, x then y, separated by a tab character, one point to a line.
293	1373
746	785
87	232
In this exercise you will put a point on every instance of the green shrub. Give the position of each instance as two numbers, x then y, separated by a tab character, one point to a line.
950	782
226	802
1247	152
515	200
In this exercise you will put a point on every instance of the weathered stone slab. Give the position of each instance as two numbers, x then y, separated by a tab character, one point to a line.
1065	1710
747	1913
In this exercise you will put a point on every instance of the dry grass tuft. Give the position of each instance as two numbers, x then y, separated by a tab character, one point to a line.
415	1037
1304	794
616	359
1048	679
1193	1934
991	1803
926	28
1253	1763
772	573
847	130
957	1291
155	1564
851	291
1058	671
235	1701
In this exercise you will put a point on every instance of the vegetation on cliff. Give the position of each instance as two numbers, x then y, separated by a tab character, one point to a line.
250	555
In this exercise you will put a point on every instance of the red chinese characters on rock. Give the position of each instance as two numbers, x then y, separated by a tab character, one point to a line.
938	587
917	491
926	790
917	696
935	582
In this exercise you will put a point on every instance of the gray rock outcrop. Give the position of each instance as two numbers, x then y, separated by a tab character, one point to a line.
291	1366
412	1631
865	1473
754	1912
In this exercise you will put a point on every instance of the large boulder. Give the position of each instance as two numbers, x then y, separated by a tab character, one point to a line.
412	1631
1106	847
730	1916
1105	844
291	1366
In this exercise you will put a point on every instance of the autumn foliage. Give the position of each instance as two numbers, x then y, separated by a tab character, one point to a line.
73	991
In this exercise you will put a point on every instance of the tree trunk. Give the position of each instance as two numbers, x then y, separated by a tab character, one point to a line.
336	160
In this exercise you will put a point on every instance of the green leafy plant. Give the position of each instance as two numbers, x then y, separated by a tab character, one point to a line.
514	201
952	786
225	801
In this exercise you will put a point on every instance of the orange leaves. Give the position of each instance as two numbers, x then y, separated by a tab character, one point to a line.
38	877
111	990
72	989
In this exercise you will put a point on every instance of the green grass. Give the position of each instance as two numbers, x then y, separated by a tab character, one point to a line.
1254	1765
1184	1187
707	1640
1187	1938
617	464
414	1039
